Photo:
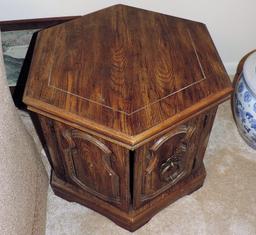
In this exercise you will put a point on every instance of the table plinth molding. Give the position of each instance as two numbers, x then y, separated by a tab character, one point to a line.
133	219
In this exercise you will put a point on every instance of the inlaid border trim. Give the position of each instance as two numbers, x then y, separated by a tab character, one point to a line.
145	106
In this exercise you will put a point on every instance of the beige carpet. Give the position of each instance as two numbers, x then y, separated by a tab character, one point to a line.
226	204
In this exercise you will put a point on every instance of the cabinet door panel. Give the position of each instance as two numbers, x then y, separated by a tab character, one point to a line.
94	165
165	161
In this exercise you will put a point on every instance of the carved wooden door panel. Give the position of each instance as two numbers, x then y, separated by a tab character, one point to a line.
94	166
167	160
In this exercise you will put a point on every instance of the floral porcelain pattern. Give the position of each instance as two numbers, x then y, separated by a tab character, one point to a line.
245	111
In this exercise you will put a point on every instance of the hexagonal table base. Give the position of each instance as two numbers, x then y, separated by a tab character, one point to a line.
133	219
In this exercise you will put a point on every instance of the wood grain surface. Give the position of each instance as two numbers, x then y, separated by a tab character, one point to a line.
134	219
128	187
126	99
162	163
94	165
125	73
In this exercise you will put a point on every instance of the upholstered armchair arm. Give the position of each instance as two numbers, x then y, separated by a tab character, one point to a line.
23	180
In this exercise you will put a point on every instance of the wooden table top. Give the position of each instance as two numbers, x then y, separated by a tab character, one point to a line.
125	73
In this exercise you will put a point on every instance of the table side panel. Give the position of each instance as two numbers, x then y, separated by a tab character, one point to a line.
89	163
169	159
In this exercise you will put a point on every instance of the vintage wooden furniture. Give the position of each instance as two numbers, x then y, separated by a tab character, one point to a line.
126	99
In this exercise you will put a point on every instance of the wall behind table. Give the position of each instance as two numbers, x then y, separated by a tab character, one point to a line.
230	22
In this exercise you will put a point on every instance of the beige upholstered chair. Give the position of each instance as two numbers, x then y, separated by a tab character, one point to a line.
23	180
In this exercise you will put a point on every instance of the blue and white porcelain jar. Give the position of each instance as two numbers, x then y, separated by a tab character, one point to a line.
244	101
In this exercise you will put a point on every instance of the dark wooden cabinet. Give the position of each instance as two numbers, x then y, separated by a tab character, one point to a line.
126	100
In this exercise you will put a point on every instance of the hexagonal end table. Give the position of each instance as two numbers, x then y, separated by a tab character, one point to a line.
126	99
